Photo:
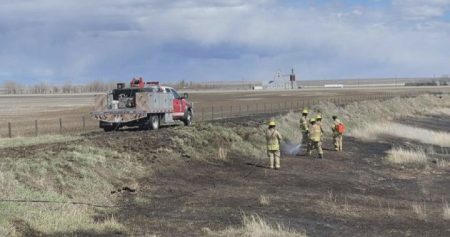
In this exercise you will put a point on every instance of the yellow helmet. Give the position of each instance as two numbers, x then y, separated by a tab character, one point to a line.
272	123
305	111
319	117
312	120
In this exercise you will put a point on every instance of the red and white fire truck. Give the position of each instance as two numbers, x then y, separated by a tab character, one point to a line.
143	104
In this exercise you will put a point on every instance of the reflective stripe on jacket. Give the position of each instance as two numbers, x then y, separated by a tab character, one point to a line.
273	139
315	133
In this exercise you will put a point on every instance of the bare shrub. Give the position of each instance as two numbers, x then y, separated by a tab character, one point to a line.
402	156
255	226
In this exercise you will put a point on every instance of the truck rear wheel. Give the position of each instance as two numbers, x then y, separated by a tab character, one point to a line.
154	122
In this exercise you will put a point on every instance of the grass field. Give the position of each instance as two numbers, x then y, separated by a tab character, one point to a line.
70	113
211	179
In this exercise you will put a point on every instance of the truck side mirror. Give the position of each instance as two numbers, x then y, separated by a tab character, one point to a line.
186	95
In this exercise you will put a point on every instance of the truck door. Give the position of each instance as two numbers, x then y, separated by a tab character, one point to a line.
177	103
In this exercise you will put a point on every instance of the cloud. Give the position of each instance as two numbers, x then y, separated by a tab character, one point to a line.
422	9
83	40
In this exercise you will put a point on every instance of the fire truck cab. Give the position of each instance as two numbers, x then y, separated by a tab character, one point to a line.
142	104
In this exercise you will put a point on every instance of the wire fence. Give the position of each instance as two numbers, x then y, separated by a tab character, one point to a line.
83	124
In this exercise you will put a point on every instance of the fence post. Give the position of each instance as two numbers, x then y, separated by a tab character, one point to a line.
36	130
9	130
231	110
203	114
247	108
212	112
60	125
221	111
84	123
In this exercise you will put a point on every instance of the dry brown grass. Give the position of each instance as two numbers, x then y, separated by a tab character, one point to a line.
216	141
420	210
49	176
255	226
264	200
402	156
426	136
446	211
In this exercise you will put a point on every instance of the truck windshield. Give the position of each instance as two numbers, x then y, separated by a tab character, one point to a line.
175	94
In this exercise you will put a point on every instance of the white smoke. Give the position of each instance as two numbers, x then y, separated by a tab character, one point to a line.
291	148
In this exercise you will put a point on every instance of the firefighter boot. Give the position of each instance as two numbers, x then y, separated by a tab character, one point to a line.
320	156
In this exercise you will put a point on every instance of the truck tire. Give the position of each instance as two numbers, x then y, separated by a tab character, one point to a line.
188	118
154	122
111	128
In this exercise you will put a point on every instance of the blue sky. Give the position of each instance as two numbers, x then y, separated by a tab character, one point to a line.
55	41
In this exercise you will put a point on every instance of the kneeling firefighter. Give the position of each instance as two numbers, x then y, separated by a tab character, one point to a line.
273	138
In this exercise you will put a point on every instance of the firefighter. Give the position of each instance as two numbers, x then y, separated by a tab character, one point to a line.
308	147
319	122
315	138
304	128
337	135
273	138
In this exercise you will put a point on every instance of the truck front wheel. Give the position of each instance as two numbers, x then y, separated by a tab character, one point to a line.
188	118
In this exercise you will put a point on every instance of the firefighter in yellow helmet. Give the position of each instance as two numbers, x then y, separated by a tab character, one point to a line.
315	137
304	128
319	122
273	138
337	133
308	147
